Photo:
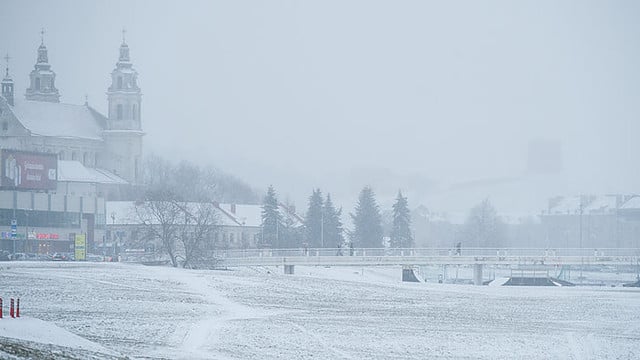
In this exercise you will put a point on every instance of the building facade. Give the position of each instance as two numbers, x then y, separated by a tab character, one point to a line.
592	221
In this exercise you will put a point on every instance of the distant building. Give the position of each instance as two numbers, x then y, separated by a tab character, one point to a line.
592	221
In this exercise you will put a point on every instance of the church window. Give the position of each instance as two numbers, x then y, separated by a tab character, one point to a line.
74	156
119	82
119	111
85	158
5	125
61	155
135	112
37	83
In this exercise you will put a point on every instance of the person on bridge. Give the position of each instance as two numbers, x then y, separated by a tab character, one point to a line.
458	247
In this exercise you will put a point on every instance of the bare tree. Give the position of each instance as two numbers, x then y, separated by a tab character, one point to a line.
483	227
160	219
199	225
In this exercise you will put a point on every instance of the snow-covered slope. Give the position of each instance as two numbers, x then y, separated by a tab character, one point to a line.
317	313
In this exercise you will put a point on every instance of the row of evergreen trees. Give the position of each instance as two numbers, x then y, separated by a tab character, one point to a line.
323	226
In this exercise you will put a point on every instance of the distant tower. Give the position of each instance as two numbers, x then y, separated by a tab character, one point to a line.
123	135
43	86
7	84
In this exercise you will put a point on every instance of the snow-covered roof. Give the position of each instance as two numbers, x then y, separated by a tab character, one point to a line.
590	204
58	119
633	203
228	214
251	215
74	171
246	215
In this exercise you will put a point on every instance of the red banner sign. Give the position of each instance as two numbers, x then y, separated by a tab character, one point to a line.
23	170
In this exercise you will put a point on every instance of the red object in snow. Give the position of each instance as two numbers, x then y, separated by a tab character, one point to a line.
11	309
18	308
0	308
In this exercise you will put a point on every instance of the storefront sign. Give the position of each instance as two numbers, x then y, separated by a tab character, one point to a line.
44	236
80	247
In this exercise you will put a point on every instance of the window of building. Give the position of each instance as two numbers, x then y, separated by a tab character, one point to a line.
85	159
37	83
119	82
61	155
74	156
119	111
135	112
5	125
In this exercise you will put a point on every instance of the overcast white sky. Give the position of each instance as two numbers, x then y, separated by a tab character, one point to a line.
418	95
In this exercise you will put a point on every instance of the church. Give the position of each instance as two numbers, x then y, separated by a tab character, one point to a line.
41	123
60	162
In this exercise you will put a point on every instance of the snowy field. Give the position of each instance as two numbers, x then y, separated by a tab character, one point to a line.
111	310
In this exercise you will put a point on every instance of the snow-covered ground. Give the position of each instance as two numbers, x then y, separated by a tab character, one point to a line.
109	310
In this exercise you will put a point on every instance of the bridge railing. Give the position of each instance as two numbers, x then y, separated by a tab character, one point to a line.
429	252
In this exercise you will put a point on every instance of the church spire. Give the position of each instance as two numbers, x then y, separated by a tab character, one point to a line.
124	95
124	50
7	58
7	83
43	57
42	87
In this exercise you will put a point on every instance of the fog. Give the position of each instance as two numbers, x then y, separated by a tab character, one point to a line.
451	102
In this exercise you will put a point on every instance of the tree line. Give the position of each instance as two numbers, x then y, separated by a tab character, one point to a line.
323	227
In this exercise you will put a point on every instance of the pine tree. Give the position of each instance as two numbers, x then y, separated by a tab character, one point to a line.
289	235
367	221
332	225
313	221
271	220
401	231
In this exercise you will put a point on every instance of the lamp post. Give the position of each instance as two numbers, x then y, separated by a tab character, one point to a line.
322	227
26	231
581	255
113	232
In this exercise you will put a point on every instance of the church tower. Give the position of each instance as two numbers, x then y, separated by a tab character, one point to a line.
7	84
124	94
123	134
43	87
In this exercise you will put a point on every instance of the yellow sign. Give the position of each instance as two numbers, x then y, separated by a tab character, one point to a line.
81	247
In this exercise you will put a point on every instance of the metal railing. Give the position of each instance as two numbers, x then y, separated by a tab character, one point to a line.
385	256
429	252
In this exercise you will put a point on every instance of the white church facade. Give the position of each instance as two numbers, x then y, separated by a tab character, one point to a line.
40	123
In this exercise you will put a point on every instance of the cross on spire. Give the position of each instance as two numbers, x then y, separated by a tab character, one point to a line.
42	36
124	31
7	58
